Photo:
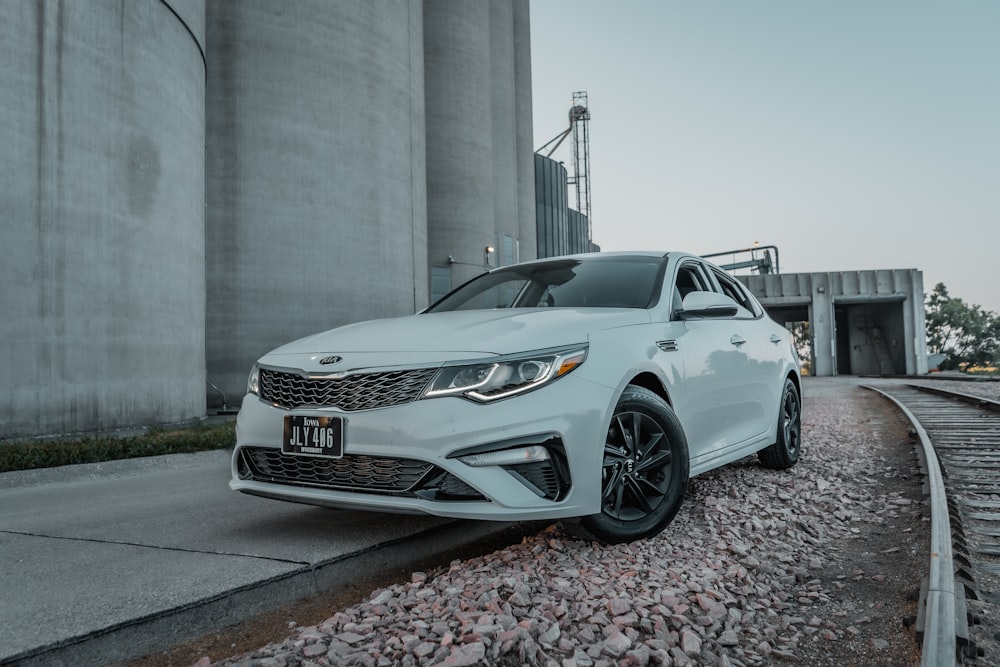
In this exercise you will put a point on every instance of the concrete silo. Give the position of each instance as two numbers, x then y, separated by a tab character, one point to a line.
317	199
458	106
478	105
103	193
503	122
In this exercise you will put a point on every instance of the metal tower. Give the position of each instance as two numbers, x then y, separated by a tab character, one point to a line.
579	120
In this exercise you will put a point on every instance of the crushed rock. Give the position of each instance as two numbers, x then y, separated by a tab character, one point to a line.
816	565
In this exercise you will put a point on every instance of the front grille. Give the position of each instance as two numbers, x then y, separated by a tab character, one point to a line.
351	472
363	391
355	472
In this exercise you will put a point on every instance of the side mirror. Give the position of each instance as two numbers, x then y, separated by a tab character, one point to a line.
707	306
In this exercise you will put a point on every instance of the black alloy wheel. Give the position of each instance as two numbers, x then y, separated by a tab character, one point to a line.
788	443
644	472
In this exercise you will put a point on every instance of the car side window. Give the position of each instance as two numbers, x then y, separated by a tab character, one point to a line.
690	279
734	291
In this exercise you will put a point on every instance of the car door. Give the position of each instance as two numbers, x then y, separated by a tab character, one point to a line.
761	345
711	399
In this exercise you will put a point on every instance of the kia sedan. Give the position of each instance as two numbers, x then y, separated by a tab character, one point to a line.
588	387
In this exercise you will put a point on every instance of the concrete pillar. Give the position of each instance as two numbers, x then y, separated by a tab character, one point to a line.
821	318
914	323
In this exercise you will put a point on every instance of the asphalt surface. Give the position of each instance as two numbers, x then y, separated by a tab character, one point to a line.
105	562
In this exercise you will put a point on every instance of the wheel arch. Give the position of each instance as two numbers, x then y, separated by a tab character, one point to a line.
796	380
652	382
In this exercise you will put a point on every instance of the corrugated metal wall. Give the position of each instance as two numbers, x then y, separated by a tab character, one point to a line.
561	230
551	206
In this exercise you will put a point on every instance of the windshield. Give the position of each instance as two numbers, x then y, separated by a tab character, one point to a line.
610	282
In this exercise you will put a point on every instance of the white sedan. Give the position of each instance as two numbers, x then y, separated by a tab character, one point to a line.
590	386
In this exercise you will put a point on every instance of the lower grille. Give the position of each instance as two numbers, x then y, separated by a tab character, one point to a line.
549	479
368	474
541	475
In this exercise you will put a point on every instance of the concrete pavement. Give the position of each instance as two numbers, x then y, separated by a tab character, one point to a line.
103	562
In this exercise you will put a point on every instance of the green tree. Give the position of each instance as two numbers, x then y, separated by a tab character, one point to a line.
966	334
802	338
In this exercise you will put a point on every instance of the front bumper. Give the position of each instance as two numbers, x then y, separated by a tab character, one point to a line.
417	442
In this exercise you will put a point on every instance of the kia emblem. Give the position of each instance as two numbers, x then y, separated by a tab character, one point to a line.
326	361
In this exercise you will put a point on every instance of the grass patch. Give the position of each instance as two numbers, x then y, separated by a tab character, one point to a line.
50	453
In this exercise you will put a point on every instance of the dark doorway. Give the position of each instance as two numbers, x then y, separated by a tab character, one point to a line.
870	338
843	334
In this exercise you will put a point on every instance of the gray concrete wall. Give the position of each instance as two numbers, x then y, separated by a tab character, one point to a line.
102	188
317	201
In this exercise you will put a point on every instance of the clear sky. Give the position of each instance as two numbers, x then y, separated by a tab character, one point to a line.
852	134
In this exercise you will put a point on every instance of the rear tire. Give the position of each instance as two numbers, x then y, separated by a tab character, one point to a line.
644	473
788	443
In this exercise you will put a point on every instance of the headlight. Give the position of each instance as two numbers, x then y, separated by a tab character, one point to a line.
492	380
253	382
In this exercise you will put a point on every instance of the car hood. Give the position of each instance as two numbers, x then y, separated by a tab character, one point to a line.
440	337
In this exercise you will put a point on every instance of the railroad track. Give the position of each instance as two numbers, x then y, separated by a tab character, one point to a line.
960	598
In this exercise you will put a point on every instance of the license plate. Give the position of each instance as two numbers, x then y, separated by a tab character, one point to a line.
306	435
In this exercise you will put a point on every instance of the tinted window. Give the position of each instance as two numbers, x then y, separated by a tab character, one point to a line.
735	291
619	282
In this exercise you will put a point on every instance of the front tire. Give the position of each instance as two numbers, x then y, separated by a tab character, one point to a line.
644	474
785	450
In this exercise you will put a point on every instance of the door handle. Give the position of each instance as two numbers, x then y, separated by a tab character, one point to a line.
737	339
775	338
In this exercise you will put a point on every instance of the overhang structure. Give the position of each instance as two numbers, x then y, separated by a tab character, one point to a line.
860	322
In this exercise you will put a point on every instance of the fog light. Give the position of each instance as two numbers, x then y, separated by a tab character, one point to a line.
507	457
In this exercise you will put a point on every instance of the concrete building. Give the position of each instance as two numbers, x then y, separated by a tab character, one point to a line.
188	184
861	322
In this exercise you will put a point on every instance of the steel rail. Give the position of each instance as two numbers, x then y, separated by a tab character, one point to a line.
978	401
940	644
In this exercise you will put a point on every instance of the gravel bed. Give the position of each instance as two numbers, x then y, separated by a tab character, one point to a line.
818	565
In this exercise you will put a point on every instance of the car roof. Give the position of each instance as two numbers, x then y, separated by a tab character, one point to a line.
606	254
